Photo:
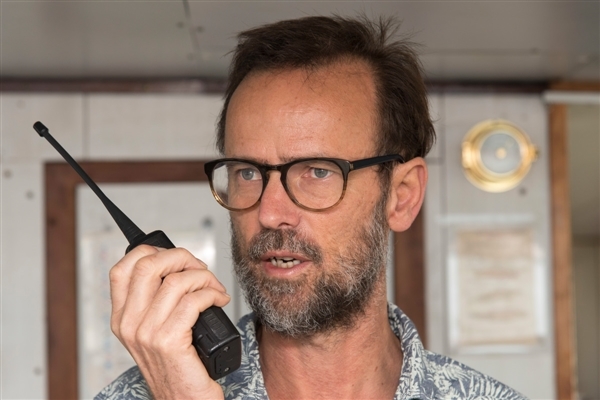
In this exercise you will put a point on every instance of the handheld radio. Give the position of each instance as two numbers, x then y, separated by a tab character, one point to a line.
214	336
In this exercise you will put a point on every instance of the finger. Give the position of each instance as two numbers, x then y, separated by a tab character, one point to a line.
173	341
186	313
120	275
150	270
174	288
147	277
140	262
163	263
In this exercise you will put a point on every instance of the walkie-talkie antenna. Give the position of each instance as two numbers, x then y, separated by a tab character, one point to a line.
129	229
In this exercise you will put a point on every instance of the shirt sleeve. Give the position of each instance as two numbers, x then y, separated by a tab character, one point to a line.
131	385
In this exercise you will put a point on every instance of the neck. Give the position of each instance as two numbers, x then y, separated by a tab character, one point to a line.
364	361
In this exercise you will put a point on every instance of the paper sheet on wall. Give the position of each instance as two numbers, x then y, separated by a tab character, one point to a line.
102	358
494	289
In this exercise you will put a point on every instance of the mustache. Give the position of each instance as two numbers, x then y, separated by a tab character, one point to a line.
283	240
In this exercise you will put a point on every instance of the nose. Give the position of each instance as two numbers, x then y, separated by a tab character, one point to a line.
276	210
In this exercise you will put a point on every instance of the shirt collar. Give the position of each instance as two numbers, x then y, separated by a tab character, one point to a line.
413	365
413	358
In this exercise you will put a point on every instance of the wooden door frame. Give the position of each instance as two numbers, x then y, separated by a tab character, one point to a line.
564	324
409	273
61	252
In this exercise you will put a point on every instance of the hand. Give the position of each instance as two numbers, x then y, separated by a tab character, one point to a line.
156	297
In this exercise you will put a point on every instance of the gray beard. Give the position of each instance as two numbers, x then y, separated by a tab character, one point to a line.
337	297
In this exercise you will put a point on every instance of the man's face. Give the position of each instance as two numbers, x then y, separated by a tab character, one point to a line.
305	271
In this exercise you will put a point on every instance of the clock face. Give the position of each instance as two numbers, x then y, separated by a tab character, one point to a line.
496	155
500	153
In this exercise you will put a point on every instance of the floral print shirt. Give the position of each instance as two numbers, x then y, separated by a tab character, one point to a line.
425	375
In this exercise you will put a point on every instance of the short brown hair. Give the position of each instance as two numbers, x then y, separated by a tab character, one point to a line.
311	42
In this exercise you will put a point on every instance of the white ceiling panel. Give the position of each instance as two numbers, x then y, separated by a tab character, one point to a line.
70	39
491	40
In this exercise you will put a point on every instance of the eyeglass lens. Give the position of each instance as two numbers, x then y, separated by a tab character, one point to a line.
315	184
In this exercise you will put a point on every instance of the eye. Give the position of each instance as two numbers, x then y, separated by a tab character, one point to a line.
320	173
249	174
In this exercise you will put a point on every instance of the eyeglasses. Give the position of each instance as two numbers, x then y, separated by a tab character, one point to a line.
314	184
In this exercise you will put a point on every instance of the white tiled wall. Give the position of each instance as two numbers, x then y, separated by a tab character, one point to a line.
23	326
149	126
61	113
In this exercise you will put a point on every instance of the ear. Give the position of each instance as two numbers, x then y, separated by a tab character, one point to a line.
407	191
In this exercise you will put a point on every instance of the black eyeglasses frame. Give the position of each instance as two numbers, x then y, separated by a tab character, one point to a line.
345	166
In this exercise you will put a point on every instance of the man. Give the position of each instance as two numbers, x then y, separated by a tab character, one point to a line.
324	129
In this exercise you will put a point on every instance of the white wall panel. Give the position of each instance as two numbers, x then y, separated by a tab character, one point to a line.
435	276
61	113
152	126
453	200
586	277
527	112
23	288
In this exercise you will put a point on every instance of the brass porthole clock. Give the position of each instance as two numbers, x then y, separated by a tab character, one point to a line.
497	155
